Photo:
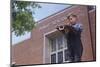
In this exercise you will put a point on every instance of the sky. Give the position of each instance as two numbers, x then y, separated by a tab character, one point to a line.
45	10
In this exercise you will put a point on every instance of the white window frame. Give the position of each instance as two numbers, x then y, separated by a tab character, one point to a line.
56	52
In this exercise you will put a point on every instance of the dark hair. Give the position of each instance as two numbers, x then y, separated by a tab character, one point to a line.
73	15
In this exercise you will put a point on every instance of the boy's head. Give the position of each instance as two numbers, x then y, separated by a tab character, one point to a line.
72	18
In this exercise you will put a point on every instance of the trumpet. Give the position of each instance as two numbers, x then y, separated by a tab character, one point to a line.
66	28
61	27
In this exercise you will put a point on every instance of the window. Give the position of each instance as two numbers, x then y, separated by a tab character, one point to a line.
60	42
53	58
59	51
66	54
53	45
65	42
60	57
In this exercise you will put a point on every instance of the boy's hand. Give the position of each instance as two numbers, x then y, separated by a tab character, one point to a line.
69	24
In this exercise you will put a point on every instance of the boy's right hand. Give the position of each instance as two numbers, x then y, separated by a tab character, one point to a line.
69	24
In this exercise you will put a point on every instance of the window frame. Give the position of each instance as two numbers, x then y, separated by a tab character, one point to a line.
59	50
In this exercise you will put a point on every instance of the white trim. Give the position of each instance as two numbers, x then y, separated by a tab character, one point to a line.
50	32
44	49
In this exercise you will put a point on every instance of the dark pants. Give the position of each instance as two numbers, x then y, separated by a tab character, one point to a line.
75	47
75	53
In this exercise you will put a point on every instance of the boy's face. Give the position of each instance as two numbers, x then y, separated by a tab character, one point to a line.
72	19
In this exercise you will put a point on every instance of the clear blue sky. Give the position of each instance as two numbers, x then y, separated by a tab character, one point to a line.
46	10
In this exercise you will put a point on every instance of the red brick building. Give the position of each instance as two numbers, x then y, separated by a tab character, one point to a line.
38	49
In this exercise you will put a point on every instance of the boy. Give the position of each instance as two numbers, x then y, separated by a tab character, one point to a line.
72	32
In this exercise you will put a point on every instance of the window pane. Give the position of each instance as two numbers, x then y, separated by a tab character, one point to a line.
60	42
65	42
66	53
53	58
53	45
60	57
